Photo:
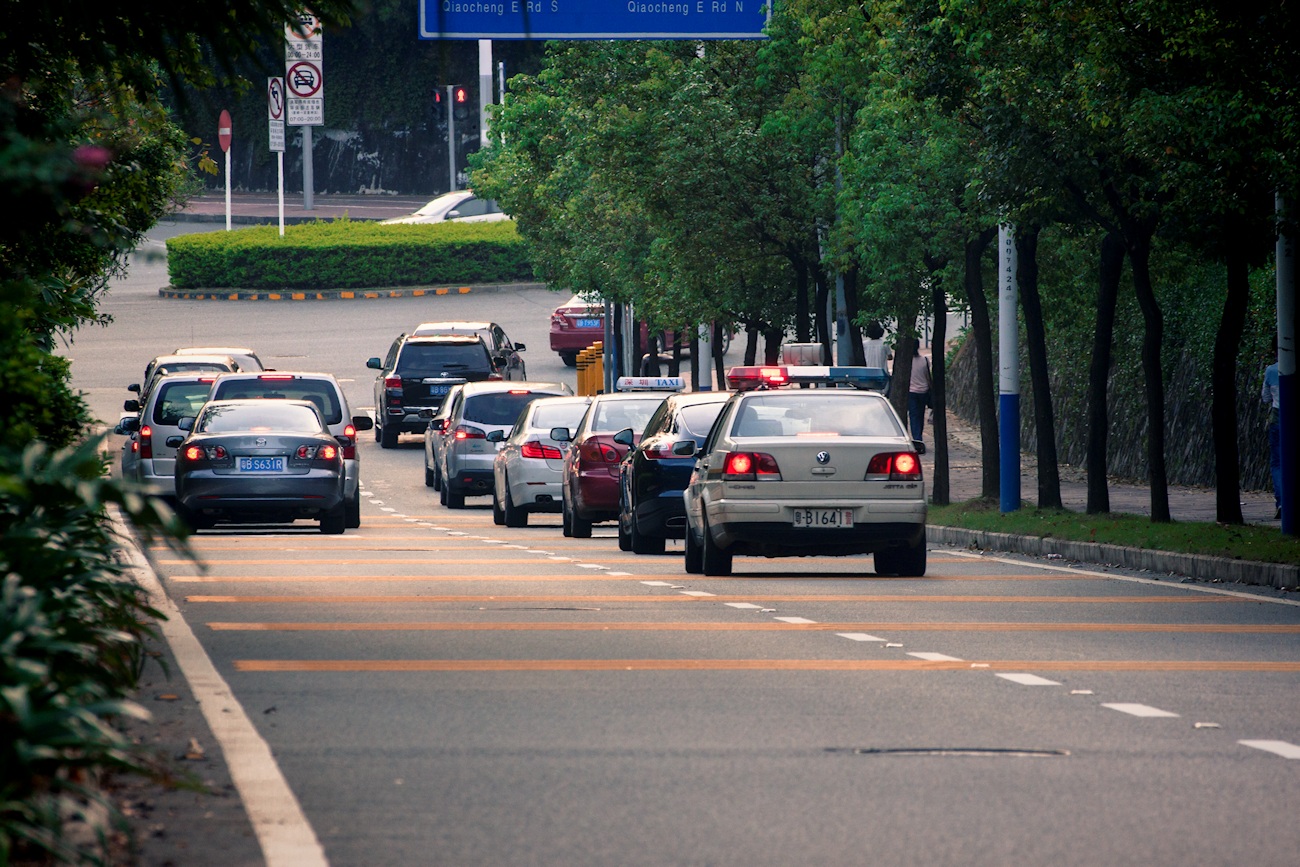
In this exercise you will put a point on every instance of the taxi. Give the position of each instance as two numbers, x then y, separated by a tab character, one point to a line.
805	461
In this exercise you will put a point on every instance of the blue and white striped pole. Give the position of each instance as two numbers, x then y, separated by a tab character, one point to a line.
1009	370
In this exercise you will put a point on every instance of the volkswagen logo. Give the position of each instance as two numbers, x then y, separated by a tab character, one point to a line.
823	457
261	441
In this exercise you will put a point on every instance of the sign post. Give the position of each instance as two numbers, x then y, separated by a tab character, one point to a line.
224	135
275	114
304	80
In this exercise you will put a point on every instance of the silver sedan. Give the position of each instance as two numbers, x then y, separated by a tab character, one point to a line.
527	470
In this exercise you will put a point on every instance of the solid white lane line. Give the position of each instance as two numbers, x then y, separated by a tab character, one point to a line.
1282	748
1027	679
1144	710
794	619
859	636
286	838
934	657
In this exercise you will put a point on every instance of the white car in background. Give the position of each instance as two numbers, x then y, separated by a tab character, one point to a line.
527	470
461	206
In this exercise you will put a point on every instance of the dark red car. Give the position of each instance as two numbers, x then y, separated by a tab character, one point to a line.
575	325
590	478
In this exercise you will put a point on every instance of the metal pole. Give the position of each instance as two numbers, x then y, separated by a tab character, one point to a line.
704	364
1009	366
1288	417
228	188
308	173
279	170
451	140
484	88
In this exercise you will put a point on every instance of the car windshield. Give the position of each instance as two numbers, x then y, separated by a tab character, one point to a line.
269	417
177	400
811	414
434	358
554	415
319	392
695	421
496	408
613	416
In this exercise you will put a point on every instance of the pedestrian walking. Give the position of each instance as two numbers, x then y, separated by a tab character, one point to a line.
918	398
1271	395
874	351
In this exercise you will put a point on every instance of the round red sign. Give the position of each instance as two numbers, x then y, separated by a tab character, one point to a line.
223	130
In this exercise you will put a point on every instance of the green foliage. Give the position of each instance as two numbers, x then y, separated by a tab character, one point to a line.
36	401
342	254
71	630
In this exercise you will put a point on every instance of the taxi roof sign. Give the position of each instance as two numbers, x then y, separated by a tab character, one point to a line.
650	383
750	378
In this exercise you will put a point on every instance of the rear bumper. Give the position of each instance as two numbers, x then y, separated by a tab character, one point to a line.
299	495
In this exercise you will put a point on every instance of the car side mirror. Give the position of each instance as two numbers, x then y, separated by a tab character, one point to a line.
186	423
624	437
496	436
128	425
131	405
561	434
375	363
363	422
134	387
684	449
174	442
519	347
453	214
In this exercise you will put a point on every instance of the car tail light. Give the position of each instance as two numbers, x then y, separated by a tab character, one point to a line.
659	451
597	452
393	383
276	376
468	432
749	467
350	447
322	456
146	442
196	454
894	467
534	449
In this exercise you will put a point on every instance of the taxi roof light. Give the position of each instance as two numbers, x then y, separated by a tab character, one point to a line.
748	378
650	383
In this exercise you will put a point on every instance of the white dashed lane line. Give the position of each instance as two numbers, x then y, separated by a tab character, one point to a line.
1143	710
1282	748
794	620
1027	679
859	636
934	657
749	606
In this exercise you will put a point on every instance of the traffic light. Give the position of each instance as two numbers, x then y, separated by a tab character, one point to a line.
459	94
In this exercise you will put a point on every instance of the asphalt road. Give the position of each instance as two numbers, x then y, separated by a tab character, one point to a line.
438	690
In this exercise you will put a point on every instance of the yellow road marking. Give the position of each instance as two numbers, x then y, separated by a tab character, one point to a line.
762	626
655	598
431	665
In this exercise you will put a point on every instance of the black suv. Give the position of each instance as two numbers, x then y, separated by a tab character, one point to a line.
417	374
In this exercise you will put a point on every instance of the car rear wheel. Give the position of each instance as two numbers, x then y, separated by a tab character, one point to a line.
566	519
580	526
908	562
644	544
430	478
694	556
498	514
515	516
354	512
570	359
452	499
387	438
334	521
624	538
714	559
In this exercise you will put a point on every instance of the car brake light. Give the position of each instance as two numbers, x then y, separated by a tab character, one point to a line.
198	454
660	451
894	467
350	447
276	376
598	452
146	442
393	382
468	432
749	467
534	449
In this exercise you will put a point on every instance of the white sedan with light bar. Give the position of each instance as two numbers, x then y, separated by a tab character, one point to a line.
789	472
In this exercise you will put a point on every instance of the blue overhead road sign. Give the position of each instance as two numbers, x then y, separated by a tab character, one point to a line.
593	19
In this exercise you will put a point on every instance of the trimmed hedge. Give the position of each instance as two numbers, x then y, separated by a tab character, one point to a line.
342	254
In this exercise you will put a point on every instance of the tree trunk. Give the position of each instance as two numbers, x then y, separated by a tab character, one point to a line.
905	347
1139	252
801	325
1049	471
851	311
1112	264
940	492
715	345
1223	378
751	344
984	391
772	338
822	317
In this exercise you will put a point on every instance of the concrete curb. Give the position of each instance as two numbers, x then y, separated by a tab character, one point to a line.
1276	575
339	294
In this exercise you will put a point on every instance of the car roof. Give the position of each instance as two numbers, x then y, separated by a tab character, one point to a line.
278	374
444	338
164	360
471	388
448	327
213	350
689	398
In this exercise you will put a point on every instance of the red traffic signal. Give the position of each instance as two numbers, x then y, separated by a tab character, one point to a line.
460	95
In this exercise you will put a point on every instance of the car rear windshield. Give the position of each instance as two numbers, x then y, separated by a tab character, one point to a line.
696	420
317	391
433	358
496	408
613	416
178	400
810	414
270	417
559	415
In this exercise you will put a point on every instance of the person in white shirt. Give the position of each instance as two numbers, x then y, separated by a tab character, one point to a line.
918	398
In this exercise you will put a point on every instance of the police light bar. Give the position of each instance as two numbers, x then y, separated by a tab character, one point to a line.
650	383
749	378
